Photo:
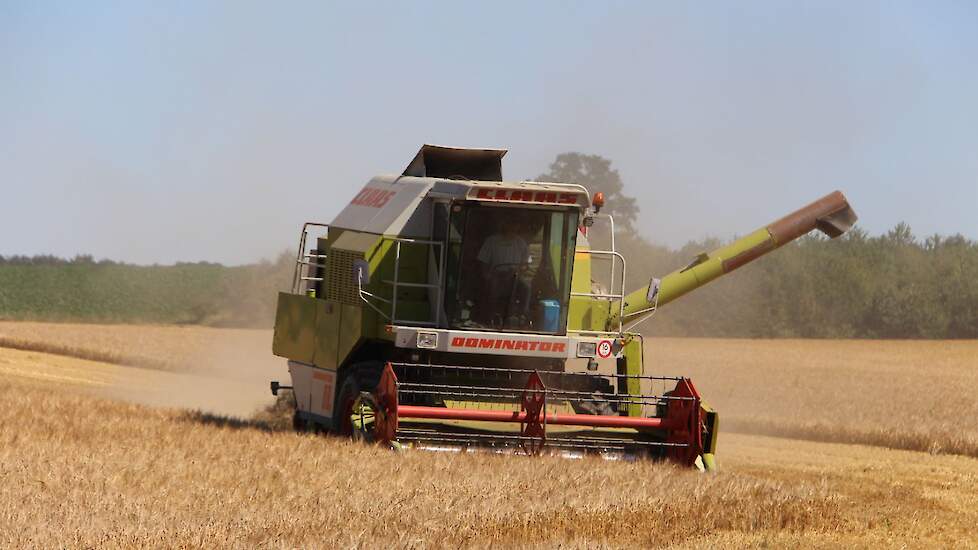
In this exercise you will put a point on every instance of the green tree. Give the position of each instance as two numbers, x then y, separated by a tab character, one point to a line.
596	174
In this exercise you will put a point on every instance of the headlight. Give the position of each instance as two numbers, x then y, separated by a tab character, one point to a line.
427	340
586	349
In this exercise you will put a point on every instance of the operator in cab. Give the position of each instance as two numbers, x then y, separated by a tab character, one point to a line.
503	258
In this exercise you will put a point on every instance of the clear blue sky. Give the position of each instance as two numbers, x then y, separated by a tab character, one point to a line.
163	131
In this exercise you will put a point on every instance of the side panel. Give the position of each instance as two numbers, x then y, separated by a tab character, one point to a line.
315	390
327	333
301	385
295	327
351	330
389	205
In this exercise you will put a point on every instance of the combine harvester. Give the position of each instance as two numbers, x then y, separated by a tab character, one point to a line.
446	309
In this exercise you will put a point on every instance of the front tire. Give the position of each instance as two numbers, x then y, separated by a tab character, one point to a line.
358	377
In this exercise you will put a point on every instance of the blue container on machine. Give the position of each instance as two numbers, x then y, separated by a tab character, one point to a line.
549	315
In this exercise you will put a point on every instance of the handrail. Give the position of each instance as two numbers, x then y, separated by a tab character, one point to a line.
610	296
396	283
305	258
363	294
301	253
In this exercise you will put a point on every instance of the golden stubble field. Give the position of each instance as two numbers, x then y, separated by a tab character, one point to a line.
80	468
906	394
223	371
162	347
916	395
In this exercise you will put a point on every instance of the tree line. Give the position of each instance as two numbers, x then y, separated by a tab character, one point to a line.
893	285
857	286
46	288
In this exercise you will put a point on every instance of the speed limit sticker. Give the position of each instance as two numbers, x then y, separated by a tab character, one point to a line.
604	349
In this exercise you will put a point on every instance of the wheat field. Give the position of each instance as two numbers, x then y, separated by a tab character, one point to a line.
164	347
912	395
904	394
80	468
80	471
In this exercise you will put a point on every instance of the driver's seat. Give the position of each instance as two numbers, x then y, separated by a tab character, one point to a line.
507	299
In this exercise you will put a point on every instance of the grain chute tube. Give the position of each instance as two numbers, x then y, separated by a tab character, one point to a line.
445	308
830	214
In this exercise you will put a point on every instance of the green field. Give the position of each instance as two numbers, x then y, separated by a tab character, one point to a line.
202	293
858	286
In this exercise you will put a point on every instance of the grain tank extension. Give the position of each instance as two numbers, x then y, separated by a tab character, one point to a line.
444	308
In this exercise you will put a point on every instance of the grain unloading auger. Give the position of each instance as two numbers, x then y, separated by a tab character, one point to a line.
446	309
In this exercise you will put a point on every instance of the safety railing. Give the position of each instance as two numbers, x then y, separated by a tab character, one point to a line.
611	295
308	264
611	229
397	283
613	257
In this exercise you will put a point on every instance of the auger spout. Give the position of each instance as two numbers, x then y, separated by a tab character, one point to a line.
830	214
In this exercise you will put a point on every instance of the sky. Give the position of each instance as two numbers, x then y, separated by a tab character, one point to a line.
155	132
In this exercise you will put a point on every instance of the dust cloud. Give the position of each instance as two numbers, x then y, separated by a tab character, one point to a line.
227	376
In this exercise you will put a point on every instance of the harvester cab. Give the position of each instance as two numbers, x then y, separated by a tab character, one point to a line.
444	308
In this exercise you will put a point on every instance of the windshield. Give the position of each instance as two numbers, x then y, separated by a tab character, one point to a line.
510	268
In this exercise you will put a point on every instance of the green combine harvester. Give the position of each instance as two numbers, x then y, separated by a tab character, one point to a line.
447	309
